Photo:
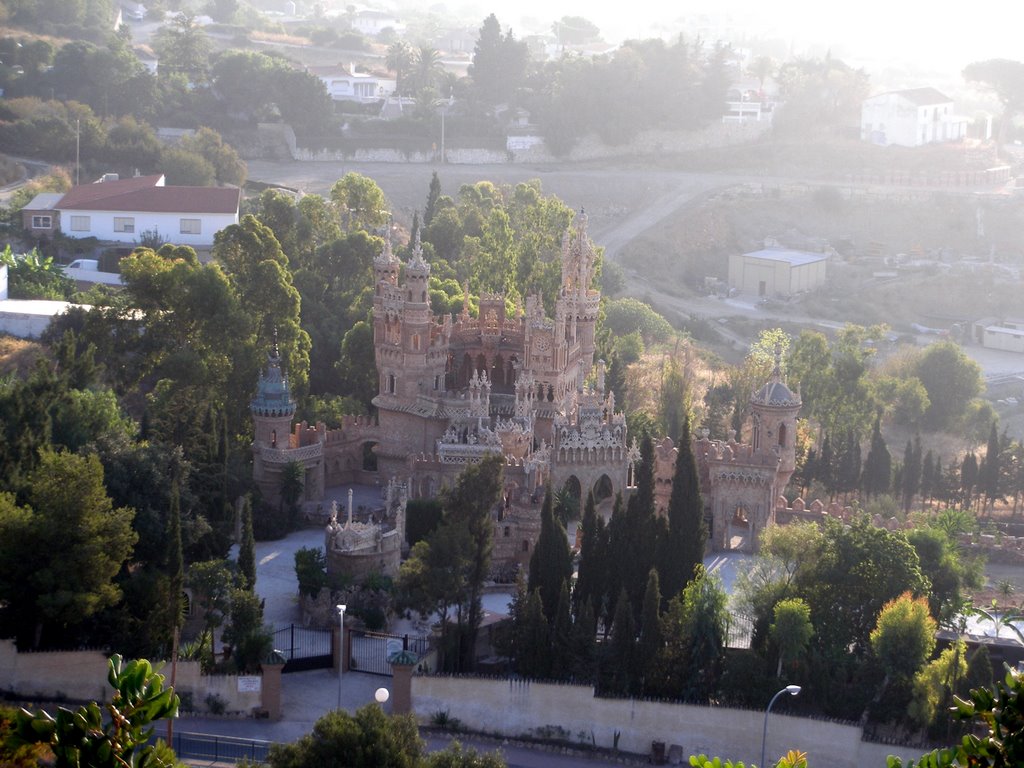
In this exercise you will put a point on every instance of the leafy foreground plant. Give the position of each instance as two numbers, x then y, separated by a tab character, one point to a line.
113	735
1001	710
792	759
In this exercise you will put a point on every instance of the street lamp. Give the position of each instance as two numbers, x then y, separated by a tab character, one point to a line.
381	695
792	690
341	646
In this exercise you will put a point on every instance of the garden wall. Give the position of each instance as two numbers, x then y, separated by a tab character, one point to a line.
82	676
530	709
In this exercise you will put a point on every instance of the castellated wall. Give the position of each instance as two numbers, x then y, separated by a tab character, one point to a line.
524	708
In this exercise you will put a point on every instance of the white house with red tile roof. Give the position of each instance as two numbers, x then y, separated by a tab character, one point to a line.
911	118
121	210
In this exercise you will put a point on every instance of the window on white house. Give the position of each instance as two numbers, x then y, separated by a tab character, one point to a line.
124	224
191	227
42	222
80	223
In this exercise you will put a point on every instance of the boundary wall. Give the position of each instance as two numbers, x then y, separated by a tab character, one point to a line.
521	708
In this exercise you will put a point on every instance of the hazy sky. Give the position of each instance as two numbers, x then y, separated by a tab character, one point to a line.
936	34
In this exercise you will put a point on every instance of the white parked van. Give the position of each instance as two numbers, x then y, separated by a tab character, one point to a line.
93	264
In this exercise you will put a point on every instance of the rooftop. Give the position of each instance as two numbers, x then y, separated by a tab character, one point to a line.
791	257
920	96
148	193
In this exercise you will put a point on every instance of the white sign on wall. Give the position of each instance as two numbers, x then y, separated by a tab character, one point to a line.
250	684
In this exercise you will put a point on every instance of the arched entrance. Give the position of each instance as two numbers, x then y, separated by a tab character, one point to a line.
739	530
369	456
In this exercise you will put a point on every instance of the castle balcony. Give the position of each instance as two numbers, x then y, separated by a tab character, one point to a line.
464	453
285	455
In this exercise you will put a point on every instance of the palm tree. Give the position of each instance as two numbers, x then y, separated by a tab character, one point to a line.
428	69
399	60
1000	620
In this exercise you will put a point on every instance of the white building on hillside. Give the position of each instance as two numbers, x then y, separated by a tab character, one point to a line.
910	118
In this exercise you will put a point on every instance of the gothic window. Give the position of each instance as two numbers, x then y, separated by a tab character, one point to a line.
273	438
782	435
437	382
508	531
392	384
526	545
415	342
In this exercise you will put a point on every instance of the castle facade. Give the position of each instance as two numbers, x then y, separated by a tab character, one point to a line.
453	389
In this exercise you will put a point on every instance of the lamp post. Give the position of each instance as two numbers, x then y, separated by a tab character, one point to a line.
792	690
381	696
341	647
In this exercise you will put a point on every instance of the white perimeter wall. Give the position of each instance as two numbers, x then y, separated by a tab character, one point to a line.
521	708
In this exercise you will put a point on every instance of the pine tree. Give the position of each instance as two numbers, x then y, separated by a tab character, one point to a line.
247	549
433	195
687	531
551	561
877	474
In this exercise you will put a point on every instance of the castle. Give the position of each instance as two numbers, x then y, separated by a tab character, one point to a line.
452	389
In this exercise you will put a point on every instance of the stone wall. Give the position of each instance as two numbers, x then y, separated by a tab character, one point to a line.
82	676
523	708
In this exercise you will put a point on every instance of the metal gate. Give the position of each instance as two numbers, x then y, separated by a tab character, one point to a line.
304	648
369	651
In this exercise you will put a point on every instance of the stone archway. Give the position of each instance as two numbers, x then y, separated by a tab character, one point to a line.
369	456
739	530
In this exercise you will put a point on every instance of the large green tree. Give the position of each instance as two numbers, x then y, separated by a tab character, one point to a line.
551	559
80	542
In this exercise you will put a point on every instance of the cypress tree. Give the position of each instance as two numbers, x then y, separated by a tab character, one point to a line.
591	567
927	478
583	645
650	628
615	559
247	549
175	559
551	561
621	661
911	472
561	637
433	195
877	474
988	476
687	531
968	479
535	653
824	469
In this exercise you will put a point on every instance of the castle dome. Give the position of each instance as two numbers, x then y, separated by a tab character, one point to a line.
273	395
775	393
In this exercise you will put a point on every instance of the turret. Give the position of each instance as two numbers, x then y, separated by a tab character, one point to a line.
272	408
774	409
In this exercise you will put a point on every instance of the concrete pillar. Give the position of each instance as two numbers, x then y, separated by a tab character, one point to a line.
336	648
401	688
270	691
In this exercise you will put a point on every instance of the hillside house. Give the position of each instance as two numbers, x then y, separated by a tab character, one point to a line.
122	210
345	83
910	118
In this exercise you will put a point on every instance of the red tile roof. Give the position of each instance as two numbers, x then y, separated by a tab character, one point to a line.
142	194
